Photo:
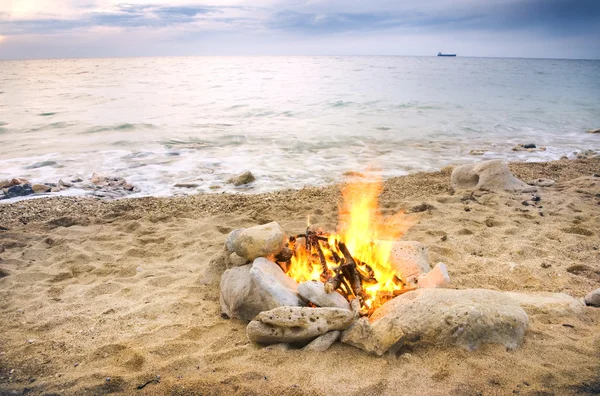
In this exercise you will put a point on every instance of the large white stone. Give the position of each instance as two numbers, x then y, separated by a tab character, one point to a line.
491	175
466	318
259	241
297	324
250	289
314	291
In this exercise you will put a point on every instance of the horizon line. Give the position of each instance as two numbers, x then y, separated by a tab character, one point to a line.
282	55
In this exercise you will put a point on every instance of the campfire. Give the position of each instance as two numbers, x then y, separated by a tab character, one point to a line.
355	261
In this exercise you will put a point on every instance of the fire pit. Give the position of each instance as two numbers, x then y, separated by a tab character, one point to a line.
363	286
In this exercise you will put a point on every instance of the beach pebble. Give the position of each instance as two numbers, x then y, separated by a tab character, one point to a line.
528	147
541	182
40	188
477	152
314	291
323	342
491	175
409	259
250	289
593	298
66	184
466	318
593	130
296	324
241	179
260	241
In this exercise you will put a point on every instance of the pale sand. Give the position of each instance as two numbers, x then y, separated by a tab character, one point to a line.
125	290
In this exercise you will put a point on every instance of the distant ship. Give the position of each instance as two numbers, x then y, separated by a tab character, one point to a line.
440	54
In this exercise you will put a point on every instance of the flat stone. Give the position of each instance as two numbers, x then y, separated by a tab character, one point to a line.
314	291
556	304
296	324
593	130
542	182
409	260
241	179
323	342
247	290
466	318
593	298
491	175
40	188
260	241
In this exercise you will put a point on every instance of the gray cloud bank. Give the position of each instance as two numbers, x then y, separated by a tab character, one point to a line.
521	28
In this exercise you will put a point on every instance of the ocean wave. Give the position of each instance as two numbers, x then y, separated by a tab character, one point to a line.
119	127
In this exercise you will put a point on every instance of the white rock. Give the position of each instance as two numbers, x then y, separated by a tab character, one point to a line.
314	291
593	298
437	277
296	324
488	175
260	241
250	289
409	260
231	238
466	318
322	343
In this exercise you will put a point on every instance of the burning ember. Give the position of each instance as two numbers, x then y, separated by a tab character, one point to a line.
355	260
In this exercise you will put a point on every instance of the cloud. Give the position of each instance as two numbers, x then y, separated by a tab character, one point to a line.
260	25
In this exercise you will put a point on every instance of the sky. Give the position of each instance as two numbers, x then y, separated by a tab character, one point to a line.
32	29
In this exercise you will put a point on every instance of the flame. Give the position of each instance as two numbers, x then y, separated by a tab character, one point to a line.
369	237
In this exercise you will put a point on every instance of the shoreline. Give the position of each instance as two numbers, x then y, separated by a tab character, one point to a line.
42	208
123	296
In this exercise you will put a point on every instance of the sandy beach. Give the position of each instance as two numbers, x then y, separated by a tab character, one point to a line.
123	296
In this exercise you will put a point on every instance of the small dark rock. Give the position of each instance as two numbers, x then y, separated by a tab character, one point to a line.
19	190
525	203
529	145
186	185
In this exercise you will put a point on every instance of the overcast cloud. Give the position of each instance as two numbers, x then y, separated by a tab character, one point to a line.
104	28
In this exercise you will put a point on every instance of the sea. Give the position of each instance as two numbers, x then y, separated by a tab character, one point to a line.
291	121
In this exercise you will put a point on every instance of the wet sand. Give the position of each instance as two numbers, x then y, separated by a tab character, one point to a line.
106	296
